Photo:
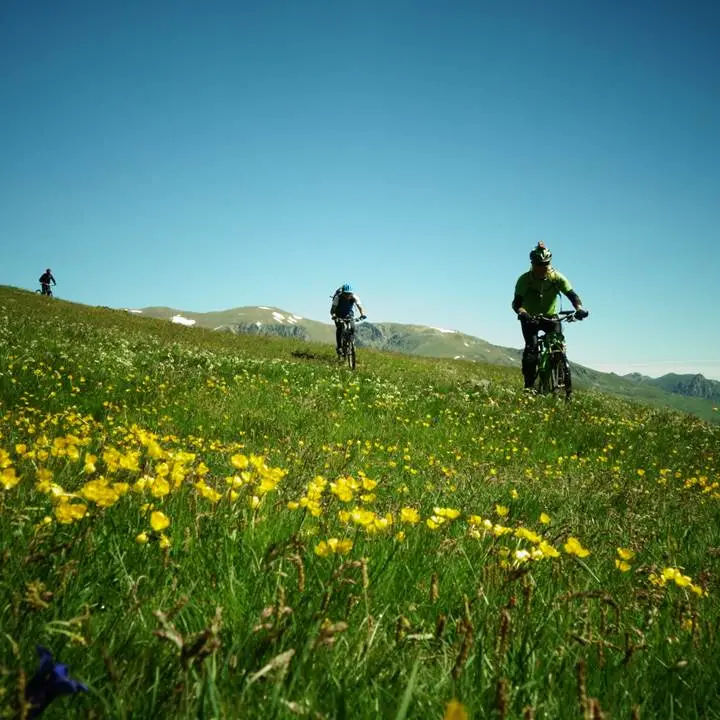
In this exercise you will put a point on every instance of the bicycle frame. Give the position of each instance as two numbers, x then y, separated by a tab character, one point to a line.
347	341
553	369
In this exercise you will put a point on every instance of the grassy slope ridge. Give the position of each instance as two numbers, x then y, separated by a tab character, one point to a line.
433	342
208	525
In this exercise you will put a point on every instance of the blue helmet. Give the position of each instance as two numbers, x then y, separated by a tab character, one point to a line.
347	288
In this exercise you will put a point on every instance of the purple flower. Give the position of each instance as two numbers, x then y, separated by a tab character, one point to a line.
50	681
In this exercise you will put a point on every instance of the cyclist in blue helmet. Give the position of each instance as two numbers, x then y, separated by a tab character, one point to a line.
45	279
343	302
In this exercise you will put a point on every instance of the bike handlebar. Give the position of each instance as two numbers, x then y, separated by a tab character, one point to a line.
562	316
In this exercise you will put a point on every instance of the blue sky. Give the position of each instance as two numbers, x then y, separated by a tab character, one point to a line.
211	155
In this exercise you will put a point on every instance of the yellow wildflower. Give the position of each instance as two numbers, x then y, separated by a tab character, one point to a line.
8	478
67	513
159	521
625	553
409	515
547	549
501	510
160	487
447	513
528	535
573	547
455	710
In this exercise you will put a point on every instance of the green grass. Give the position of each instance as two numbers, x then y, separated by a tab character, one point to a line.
239	608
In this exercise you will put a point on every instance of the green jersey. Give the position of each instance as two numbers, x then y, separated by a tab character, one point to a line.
539	296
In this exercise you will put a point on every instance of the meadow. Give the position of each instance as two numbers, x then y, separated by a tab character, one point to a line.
215	526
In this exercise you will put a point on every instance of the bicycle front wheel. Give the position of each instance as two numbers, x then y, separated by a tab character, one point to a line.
351	355
560	374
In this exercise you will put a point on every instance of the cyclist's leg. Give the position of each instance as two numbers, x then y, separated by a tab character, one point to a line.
338	336
530	353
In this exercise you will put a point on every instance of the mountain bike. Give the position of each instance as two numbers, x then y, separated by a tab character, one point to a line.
43	291
553	369
347	340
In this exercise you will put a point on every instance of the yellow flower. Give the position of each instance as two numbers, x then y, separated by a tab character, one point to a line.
160	487
547	549
369	484
159	521
100	492
455	710
89	467
544	518
409	515
448	513
514	494
341	547
142	538
622	566
625	553
8	478
164	541
573	547
207	492
44	475
332	546
501	510
67	513
528	535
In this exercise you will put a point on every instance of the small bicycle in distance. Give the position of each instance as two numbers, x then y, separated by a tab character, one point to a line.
553	369
347	340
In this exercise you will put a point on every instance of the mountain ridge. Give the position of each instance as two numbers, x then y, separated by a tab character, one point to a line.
696	397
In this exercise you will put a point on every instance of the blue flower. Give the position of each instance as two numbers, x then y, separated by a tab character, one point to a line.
50	681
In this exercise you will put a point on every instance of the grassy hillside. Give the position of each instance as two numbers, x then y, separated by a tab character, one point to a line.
439	343
208	525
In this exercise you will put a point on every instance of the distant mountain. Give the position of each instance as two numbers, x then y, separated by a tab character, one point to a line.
697	386
689	393
394	337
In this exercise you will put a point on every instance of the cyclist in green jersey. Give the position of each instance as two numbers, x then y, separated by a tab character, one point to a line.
536	294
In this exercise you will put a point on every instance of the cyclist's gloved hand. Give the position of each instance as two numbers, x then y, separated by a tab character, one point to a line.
581	313
523	315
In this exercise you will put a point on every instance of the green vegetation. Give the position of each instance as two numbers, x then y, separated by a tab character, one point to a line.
209	525
436	343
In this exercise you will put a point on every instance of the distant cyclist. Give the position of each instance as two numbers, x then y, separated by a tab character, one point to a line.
536	293
45	279
343	302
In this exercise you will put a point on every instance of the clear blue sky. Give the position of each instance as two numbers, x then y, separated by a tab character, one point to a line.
207	155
